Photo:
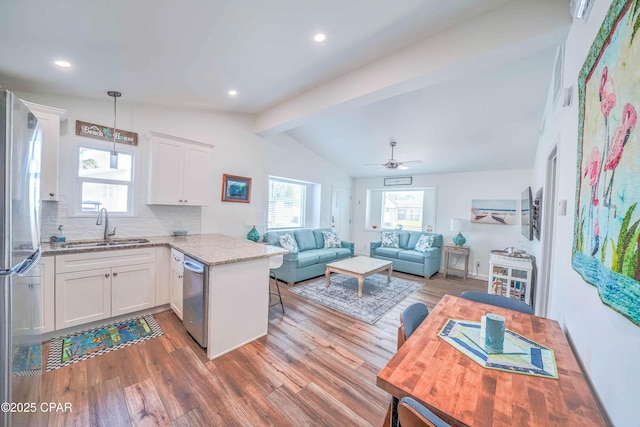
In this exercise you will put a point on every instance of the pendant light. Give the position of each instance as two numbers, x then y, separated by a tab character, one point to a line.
113	161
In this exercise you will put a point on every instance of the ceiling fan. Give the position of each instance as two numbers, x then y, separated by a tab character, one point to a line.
394	164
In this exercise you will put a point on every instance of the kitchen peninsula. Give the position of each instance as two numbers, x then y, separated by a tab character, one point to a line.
238	279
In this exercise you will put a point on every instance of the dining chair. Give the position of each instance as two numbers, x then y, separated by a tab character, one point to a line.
413	414
410	318
498	301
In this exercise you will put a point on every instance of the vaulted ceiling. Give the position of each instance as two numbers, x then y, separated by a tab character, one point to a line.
460	85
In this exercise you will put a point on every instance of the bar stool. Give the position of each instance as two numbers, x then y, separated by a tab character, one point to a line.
275	262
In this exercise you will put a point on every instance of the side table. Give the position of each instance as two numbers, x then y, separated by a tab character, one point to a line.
460	251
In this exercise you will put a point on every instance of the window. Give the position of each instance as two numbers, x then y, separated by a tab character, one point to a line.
414	208
287	203
99	186
403	207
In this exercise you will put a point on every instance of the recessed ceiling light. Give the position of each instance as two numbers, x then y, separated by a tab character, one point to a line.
319	38
62	64
233	92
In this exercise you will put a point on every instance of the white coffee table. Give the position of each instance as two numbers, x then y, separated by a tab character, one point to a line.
358	267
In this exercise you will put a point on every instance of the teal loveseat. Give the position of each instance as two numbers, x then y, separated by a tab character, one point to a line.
408	260
312	257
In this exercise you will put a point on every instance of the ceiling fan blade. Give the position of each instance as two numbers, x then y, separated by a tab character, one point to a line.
374	164
417	162
403	167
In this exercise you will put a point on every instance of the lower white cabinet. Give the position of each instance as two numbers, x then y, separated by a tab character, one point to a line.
33	300
511	276
83	297
175	292
123	283
133	288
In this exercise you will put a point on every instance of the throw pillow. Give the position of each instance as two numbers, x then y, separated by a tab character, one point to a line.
390	239
289	243
424	243
331	240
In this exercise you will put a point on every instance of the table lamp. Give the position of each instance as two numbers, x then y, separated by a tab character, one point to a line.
456	226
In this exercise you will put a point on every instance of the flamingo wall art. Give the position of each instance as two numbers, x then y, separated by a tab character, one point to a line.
607	218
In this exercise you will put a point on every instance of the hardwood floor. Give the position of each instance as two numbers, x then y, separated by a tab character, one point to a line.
315	367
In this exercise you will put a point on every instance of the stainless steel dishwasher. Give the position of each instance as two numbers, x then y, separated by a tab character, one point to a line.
195	296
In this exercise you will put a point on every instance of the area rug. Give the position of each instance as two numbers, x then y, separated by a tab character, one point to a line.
83	345
378	295
27	360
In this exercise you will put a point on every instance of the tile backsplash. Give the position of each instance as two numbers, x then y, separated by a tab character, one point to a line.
152	220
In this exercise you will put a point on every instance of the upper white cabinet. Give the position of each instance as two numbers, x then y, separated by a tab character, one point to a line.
49	119
179	172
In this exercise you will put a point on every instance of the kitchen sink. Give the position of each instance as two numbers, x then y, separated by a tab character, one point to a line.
101	243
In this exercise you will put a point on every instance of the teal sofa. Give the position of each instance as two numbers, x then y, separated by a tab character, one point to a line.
312	258
406	259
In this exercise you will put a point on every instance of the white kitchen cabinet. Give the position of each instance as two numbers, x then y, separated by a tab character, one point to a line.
179	171
49	119
132	288
163	275
511	276
175	293
83	297
97	285
48	283
33	300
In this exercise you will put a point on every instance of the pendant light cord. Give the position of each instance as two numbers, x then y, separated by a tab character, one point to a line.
115	98
113	163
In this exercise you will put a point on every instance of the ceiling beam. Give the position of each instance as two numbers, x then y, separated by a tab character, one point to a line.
516	30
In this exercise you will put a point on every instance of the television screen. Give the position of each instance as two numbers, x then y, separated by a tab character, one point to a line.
525	210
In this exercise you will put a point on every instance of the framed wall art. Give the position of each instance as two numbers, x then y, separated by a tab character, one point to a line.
501	212
607	217
236	189
400	180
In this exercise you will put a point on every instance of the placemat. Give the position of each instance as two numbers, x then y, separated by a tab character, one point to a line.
520	356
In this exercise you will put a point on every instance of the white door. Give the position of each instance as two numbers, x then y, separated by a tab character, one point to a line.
542	295
341	211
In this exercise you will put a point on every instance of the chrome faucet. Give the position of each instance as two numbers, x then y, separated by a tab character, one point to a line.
107	233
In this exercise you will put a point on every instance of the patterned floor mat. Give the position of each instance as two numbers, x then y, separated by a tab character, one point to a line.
86	344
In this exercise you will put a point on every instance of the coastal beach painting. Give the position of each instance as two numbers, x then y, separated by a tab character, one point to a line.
607	217
502	212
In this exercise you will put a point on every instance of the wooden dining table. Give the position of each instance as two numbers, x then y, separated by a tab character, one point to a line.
464	393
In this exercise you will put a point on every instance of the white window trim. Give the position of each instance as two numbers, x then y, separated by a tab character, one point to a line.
308	193
75	206
374	214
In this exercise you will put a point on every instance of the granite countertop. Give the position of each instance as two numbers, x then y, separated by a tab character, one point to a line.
210	249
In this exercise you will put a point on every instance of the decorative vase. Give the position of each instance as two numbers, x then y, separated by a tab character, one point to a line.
459	239
253	234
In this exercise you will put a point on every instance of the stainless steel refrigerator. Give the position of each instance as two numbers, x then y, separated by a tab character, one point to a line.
20	149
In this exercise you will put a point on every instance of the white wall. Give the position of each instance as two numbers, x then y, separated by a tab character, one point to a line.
454	193
287	158
607	343
237	151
